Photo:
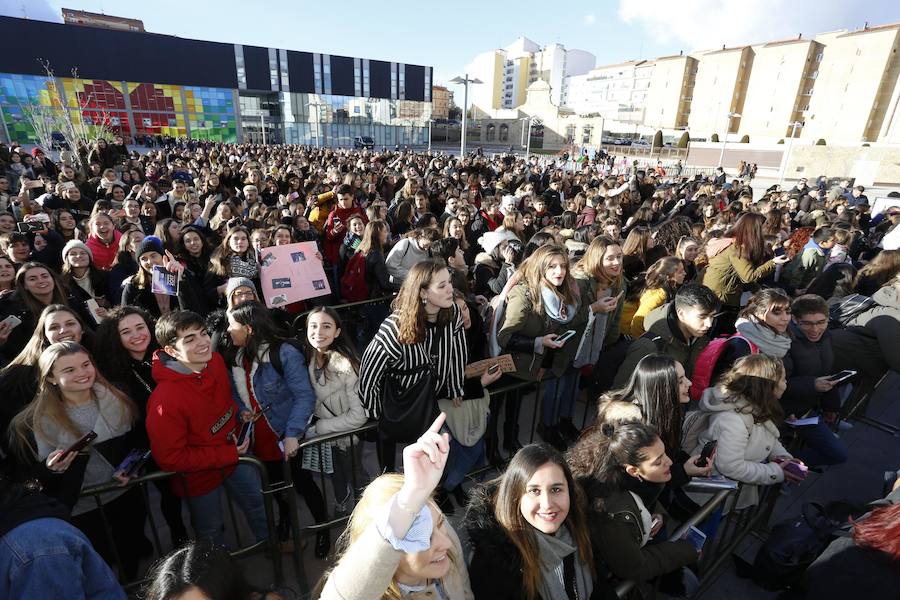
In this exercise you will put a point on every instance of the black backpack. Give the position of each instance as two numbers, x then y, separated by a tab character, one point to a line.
275	353
796	543
848	309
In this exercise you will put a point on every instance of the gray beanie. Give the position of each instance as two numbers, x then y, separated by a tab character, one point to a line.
72	244
236	282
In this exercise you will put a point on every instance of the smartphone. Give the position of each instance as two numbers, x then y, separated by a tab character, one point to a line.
30	226
696	537
837	377
93	307
493	369
797	469
133	462
706	453
80	445
780	251
12	320
565	337
246	428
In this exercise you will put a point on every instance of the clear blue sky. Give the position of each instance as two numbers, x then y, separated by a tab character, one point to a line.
447	35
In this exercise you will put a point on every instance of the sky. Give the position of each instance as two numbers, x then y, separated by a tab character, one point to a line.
448	35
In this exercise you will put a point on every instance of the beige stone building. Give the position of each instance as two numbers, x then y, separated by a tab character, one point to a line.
668	102
440	102
720	88
780	86
855	96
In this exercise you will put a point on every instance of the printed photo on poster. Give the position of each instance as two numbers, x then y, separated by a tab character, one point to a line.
163	281
292	273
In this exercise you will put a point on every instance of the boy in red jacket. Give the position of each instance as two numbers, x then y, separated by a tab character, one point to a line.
193	426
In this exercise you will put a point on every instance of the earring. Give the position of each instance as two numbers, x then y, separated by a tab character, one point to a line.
424	301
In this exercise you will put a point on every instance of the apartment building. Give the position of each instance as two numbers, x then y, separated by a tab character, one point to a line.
668	102
441	98
720	88
618	92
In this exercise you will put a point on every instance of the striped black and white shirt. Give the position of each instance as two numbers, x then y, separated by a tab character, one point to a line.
385	354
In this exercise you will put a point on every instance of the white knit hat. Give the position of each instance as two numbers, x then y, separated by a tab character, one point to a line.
72	244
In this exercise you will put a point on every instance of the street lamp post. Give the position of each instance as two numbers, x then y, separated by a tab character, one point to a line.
316	105
262	127
728	117
464	81
430	121
793	125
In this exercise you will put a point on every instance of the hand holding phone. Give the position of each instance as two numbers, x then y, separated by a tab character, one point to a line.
706	453
841	376
565	337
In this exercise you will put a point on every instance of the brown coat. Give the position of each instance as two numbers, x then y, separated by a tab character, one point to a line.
521	325
727	273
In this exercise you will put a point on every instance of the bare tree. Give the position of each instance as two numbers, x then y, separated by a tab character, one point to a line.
56	118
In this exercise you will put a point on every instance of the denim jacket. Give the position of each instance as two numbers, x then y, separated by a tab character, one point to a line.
291	396
48	558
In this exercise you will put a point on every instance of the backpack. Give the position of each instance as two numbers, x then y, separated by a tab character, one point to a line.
701	378
848	309
797	542
275	354
353	281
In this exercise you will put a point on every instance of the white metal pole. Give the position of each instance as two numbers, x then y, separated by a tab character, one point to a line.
724	140
462	140
262	127
429	136
318	125
787	156
602	124
528	141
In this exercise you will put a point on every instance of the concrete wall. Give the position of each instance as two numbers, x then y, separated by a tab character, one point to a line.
870	166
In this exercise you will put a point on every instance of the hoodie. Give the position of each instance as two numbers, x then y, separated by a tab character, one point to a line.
190	420
806	265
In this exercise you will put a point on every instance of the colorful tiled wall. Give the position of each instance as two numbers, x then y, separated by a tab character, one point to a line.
155	108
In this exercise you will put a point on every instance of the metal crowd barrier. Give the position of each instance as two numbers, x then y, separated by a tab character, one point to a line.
268	546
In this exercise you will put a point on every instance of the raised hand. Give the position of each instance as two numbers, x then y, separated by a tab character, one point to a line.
423	465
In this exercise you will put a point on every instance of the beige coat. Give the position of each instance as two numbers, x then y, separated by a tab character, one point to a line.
365	571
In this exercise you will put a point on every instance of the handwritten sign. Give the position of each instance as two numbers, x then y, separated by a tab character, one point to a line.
475	369
292	273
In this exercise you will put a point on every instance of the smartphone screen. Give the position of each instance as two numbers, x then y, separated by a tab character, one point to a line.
841	376
246	428
566	336
78	446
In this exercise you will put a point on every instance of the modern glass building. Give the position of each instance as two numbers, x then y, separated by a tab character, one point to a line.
139	83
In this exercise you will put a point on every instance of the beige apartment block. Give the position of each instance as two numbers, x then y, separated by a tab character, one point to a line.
668	102
720	88
781	84
856	91
440	102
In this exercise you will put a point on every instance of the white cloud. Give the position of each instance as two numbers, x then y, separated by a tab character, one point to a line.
589	19
38	10
702	24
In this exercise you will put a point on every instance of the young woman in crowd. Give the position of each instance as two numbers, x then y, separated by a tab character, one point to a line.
126	340
138	291
194	251
743	416
398	536
662	280
233	258
169	232
7	277
125	265
529	532
634	250
66	226
687	249
83	280
73	399
424	335
276	394
103	240
408	252
333	372
739	259
36	288
623	468
540	309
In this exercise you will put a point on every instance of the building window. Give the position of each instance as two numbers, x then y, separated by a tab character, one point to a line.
283	64
586	134
317	72
365	65
504	132
401	92
489	137
239	64
273	70
326	73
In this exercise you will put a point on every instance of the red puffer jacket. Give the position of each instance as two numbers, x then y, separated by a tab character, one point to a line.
190	420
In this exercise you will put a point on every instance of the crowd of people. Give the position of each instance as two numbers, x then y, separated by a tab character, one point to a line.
687	314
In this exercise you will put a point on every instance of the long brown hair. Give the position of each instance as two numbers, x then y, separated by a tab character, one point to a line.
511	487
749	238
48	404
219	263
371	237
591	264
753	378
34	305
533	276
38	343
408	303
638	242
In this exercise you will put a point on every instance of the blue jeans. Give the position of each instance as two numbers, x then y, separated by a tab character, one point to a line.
821	446
246	488
462	459
558	398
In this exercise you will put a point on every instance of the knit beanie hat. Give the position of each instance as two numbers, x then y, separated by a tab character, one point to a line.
150	243
236	282
72	244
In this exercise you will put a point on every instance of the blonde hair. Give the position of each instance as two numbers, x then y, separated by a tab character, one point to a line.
376	495
49	404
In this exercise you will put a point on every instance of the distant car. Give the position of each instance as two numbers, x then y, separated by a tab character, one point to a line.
363	141
640	143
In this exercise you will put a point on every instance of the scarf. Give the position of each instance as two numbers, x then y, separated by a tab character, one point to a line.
554	307
769	342
553	550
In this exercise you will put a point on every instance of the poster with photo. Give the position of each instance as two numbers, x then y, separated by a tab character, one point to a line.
291	273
